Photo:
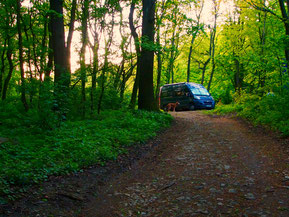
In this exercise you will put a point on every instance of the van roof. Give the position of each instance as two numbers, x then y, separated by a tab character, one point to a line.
190	83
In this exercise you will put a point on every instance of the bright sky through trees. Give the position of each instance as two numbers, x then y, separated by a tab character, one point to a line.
207	18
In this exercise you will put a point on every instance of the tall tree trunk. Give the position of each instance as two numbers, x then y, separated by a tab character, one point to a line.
189	61
199	8
190	56
212	56
70	34
262	42
11	68
172	53
94	71
34	44
2	70
213	42
102	84
21	61
43	91
237	74
159	59
61	74
146	91
138	53
286	24
212	74
29	58
82	53
44	49
120	79
159	52
49	64
203	68
123	81
104	70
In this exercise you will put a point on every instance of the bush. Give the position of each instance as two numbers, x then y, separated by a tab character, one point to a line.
271	110
32	154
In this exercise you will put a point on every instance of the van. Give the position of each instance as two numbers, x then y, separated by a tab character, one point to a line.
190	96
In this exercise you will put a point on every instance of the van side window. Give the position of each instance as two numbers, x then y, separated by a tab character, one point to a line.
179	93
186	91
166	92
178	90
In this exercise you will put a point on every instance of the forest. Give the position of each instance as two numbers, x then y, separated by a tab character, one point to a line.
80	79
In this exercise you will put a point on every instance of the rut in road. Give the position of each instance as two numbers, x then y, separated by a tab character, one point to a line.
202	166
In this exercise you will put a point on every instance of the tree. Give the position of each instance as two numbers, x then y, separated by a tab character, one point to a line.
21	62
95	29
159	18
194	30
146	91
70	33
216	6
61	73
138	54
286	23
84	40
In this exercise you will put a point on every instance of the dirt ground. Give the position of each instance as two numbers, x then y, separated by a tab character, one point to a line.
202	166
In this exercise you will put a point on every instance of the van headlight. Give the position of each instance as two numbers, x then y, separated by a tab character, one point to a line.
197	97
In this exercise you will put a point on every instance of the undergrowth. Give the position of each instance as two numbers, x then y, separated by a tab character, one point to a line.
32	153
271	110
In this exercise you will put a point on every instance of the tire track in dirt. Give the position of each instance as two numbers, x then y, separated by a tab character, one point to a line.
202	166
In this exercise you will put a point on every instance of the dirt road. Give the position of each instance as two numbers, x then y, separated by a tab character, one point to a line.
202	166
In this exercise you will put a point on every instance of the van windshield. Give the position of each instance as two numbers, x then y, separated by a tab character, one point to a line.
199	91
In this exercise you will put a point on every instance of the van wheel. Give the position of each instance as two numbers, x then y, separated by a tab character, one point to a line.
192	108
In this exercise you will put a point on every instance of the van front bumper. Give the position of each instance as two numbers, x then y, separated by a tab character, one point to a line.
204	104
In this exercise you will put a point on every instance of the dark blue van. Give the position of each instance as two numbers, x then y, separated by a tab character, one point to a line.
190	96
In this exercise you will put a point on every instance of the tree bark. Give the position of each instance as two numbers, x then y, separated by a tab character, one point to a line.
94	70
173	49
159	72
108	43
84	39
159	51
212	56
204	69
213	42
190	56
21	61
70	34
286	25
61	74
11	68
146	92
49	65
138	53
2	70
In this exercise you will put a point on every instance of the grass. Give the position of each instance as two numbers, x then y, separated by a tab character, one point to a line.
32	154
270	110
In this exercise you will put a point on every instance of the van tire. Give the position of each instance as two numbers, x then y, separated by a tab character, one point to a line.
192	108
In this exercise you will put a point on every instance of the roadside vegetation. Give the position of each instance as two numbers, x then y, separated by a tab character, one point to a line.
270	110
32	153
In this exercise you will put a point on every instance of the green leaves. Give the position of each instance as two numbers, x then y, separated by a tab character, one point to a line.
270	110
36	154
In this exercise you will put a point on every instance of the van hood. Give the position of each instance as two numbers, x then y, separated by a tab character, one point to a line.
203	97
